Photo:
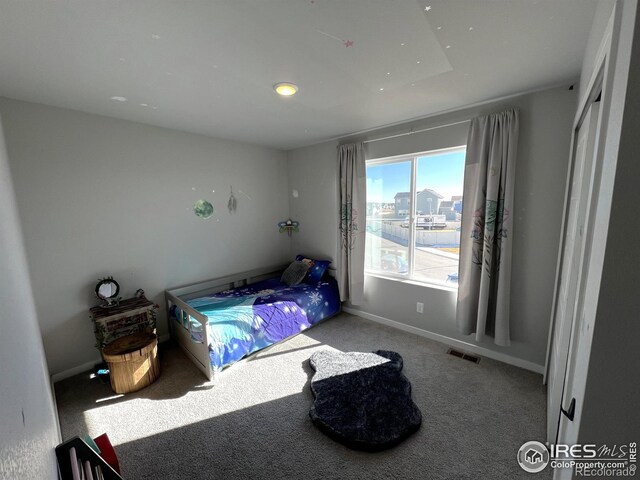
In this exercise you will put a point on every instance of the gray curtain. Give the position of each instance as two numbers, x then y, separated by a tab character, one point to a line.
487	234
353	184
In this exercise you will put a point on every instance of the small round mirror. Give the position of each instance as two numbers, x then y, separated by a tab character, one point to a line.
107	289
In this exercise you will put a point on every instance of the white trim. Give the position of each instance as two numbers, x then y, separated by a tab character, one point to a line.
413	199
407	157
57	377
55	409
448	287
452	342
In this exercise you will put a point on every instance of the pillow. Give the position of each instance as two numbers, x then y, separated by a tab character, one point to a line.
316	268
295	273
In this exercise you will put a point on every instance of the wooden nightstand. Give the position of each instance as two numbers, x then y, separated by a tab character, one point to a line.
129	316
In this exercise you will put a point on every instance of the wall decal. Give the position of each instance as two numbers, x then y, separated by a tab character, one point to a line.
203	209
232	202
289	226
346	43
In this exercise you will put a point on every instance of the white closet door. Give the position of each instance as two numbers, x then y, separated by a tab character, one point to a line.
572	261
581	329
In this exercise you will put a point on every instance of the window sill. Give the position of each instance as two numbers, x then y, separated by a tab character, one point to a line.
418	283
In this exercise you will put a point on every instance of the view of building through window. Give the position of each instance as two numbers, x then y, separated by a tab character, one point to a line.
414	210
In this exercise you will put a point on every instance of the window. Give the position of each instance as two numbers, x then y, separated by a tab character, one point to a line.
414	209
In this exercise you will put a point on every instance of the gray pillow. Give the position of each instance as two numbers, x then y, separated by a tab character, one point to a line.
295	273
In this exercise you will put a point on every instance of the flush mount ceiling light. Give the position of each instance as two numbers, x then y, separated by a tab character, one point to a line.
285	89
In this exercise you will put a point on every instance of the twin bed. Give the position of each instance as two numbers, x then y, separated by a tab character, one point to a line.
220	321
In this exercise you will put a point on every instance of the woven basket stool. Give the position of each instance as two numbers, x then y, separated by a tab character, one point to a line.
133	362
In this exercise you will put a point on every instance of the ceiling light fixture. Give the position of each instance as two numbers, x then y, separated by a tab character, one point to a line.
285	89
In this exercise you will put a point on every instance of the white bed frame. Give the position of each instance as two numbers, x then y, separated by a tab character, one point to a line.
198	352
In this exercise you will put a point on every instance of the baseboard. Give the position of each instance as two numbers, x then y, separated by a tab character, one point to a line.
57	377
55	409
452	342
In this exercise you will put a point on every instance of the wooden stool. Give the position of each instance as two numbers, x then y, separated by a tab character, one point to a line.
133	361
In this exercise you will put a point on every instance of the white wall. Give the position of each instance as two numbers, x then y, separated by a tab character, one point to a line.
545	132
28	423
313	173
99	196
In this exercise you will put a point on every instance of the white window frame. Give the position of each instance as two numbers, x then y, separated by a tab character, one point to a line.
413	158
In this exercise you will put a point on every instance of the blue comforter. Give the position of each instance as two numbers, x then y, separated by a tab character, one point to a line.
246	319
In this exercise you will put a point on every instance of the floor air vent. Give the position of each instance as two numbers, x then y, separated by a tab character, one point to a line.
466	356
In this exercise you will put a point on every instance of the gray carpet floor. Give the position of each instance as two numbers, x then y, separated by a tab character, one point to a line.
254	423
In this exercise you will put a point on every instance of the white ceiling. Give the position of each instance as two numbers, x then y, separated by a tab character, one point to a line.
208	66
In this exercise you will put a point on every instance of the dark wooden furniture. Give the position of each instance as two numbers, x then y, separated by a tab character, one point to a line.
129	316
84	453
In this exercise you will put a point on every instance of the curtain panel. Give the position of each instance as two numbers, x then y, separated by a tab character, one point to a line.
353	183
487	227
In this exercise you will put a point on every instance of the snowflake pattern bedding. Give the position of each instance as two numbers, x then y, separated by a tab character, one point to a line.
246	319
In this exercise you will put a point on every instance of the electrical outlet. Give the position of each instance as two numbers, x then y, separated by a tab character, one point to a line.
420	307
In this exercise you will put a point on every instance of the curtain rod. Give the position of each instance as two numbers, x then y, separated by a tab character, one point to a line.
415	131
